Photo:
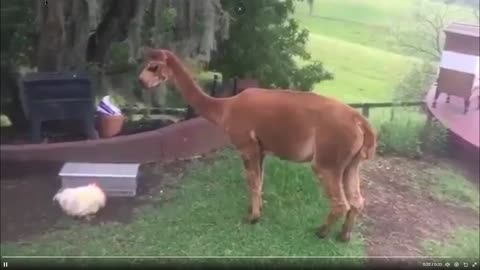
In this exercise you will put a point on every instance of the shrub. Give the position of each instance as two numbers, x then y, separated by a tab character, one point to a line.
118	59
266	44
401	137
414	85
409	135
435	139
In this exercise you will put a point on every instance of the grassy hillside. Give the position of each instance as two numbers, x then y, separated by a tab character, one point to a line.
354	39
361	73
369	22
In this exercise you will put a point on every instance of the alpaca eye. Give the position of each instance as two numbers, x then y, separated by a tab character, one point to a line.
153	69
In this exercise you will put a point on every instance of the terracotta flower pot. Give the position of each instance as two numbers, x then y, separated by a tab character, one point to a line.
109	125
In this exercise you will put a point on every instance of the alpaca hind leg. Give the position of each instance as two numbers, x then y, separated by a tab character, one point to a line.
351	180
252	161
262	174
332	183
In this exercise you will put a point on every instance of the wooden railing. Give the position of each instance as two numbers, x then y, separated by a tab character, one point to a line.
364	107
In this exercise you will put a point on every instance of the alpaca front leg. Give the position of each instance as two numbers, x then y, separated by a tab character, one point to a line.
253	171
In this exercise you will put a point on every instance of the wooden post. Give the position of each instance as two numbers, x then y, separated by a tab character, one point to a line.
235	81
365	110
427	129
190	113
214	85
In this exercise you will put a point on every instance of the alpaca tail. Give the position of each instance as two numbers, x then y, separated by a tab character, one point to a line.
369	138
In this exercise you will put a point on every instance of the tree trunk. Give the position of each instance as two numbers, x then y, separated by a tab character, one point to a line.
135	31
77	25
52	38
310	7
11	101
113	27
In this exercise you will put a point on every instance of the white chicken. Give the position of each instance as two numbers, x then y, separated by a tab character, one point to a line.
83	201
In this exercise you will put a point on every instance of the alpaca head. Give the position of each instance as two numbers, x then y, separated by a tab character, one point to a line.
156	70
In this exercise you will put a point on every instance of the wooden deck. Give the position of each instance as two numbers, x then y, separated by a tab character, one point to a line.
466	126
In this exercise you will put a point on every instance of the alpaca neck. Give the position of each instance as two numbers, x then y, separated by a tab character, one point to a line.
206	106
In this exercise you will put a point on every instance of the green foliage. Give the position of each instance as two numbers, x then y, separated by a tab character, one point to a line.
419	138
169	16
4	121
17	42
434	139
401	137
117	60
307	76
415	84
408	134
264	44
151	32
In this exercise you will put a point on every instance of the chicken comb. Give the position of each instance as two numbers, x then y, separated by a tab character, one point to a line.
99	187
95	183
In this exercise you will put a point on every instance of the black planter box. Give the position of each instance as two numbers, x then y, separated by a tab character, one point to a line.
58	96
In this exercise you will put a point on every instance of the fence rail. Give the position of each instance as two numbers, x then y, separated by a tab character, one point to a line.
365	108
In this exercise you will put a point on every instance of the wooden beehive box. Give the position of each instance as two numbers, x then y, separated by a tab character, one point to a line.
460	60
116	179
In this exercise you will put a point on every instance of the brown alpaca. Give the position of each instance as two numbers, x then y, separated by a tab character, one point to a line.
292	125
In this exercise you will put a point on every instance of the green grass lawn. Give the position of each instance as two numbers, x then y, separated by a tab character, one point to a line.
463	243
451	187
363	70
369	22
364	22
205	218
362	74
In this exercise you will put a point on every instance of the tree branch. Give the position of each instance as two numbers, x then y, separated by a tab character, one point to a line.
412	46
430	28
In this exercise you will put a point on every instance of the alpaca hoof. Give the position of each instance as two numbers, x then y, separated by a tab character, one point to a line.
344	237
322	232
252	219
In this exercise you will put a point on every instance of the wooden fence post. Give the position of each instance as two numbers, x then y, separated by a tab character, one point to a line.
214	85
392	113
235	81
366	110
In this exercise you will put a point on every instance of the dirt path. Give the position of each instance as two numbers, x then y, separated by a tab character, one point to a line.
398	217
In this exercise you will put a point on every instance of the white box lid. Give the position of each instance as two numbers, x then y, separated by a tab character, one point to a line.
99	169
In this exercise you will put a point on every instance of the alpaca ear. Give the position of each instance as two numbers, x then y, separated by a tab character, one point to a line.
154	54
147	52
